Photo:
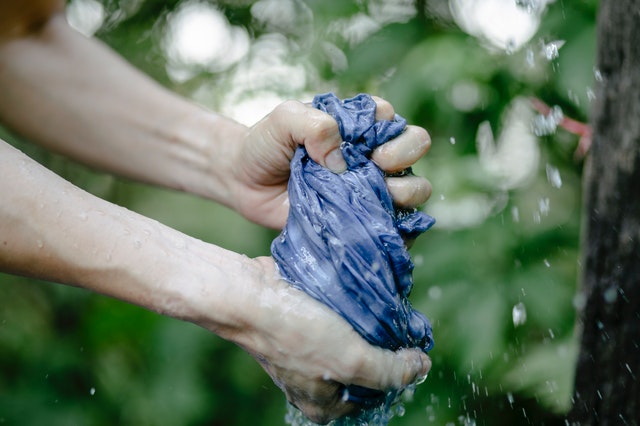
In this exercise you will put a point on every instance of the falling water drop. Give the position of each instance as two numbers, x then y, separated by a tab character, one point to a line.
515	214
597	75
452	140
543	206
553	176
551	49
519	314
92	391
610	294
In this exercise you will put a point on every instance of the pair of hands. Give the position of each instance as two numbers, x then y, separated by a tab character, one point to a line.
307	349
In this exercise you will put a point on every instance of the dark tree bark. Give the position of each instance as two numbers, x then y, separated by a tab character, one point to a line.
607	387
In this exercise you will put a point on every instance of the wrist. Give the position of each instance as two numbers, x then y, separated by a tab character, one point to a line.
206	147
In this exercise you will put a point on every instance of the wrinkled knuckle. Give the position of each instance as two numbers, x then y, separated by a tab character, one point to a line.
322	127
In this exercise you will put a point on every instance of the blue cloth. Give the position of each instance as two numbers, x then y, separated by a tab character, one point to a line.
343	241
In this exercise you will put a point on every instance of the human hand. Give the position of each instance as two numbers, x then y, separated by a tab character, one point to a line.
312	354
261	170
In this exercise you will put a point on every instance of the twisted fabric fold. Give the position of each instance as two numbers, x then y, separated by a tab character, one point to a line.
343	241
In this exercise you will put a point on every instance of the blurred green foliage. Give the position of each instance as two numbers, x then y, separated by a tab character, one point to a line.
497	276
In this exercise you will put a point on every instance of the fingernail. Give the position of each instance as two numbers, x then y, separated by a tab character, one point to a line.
335	161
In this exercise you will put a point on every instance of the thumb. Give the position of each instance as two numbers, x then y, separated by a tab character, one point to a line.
314	129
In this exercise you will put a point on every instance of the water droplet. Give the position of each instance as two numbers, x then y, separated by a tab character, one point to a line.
611	294
550	50
547	124
422	379
591	95
452	140
441	197
418	260
546	263
435	292
543	206
579	301
573	97
553	176
597	75
552	334
92	391
345	395
519	314
515	214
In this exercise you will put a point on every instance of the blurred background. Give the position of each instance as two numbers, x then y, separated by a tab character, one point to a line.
497	275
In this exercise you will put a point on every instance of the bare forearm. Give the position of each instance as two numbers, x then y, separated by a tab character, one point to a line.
75	96
52	230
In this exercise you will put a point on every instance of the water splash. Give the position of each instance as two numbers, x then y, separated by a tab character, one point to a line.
546	124
378	416
551	50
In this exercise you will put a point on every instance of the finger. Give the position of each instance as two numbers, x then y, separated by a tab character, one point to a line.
384	109
314	129
403	151
409	191
384	369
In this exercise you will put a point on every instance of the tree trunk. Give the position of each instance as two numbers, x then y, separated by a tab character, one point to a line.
607	390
